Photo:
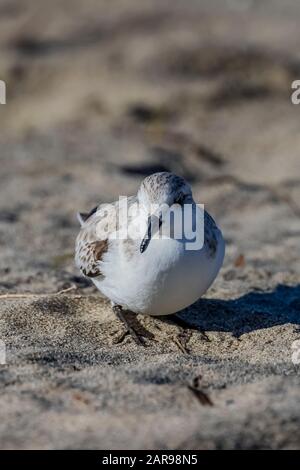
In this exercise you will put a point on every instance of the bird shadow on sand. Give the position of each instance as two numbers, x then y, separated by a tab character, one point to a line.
253	311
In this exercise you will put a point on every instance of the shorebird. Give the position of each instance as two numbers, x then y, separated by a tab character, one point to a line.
138	261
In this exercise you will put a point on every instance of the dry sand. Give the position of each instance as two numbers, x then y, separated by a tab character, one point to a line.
99	95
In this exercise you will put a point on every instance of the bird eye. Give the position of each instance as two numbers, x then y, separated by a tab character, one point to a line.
179	199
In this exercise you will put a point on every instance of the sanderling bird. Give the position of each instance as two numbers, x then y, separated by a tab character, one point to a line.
148	268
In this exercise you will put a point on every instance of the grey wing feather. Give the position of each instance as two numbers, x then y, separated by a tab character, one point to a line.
210	234
92	241
91	245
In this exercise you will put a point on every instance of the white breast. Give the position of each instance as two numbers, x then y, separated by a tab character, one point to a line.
164	279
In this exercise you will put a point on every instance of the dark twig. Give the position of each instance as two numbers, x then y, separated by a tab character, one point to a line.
201	396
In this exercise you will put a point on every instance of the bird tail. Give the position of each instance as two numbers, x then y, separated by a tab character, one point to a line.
82	217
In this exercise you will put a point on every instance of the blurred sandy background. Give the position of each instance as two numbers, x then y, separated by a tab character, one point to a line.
100	94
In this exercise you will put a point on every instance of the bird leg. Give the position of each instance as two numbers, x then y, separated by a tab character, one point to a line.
183	325
129	330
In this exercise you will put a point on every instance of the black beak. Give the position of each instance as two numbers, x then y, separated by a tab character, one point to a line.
154	224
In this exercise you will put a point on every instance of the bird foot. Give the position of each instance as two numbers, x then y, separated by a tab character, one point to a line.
129	329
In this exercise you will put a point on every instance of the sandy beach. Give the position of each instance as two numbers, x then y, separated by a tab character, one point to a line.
99	95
